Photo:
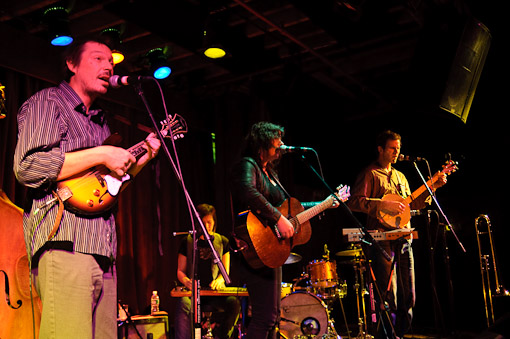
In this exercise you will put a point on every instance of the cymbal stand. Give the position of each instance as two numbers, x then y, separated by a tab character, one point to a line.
331	332
384	311
359	286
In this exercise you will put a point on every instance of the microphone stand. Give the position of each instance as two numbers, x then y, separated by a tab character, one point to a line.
129	321
448	226
366	236
217	260
439	207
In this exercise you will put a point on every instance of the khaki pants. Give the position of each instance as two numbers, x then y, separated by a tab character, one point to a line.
79	299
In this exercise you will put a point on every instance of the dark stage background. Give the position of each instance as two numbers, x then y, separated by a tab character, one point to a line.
153	206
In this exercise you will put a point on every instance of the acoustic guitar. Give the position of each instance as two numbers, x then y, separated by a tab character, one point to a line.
401	220
96	190
265	247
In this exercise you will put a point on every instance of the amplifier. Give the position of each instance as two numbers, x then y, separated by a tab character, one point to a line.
147	327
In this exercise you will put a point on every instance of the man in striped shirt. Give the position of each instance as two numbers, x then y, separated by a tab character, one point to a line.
72	256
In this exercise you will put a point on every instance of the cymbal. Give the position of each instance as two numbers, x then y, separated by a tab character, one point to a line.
293	258
349	253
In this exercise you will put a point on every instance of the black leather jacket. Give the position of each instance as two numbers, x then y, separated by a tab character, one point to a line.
252	190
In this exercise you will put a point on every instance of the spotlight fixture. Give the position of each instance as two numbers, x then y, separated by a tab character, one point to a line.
112	37
158	63
214	32
216	52
213	50
118	57
58	26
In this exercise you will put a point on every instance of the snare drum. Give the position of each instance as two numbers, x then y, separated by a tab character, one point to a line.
322	273
303	315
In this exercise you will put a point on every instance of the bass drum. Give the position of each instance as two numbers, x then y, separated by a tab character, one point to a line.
303	315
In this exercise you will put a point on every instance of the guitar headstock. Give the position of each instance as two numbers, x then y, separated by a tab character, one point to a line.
175	128
343	192
450	167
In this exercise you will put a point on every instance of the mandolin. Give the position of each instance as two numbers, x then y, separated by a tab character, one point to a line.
265	247
402	219
96	190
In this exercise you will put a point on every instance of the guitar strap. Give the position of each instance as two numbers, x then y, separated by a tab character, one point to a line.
60	212
239	242
273	177
400	185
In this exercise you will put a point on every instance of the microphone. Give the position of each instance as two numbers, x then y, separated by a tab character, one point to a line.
402	157
117	81
293	149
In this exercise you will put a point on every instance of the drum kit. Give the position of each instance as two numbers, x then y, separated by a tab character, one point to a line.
307	302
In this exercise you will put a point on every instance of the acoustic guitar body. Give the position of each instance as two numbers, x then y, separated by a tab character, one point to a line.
264	247
395	220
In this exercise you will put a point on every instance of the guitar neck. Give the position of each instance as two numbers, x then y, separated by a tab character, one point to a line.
419	191
137	150
306	215
174	128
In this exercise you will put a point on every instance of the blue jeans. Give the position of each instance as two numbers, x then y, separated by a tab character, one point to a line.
398	290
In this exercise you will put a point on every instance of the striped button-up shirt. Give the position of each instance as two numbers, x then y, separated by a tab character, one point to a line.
51	123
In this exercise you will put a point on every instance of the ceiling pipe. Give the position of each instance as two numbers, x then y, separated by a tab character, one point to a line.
305	47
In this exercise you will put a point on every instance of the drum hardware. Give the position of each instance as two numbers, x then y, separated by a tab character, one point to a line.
361	292
286	289
332	293
483	228
208	325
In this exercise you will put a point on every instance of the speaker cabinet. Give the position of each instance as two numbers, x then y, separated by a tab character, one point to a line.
466	69
147	327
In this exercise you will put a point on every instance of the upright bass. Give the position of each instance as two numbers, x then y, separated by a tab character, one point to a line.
17	320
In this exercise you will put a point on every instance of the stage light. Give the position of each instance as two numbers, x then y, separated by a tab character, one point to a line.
162	72
212	45
58	26
158	63
112	39
118	57
215	52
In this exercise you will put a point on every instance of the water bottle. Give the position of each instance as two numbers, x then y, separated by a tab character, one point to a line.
154	303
